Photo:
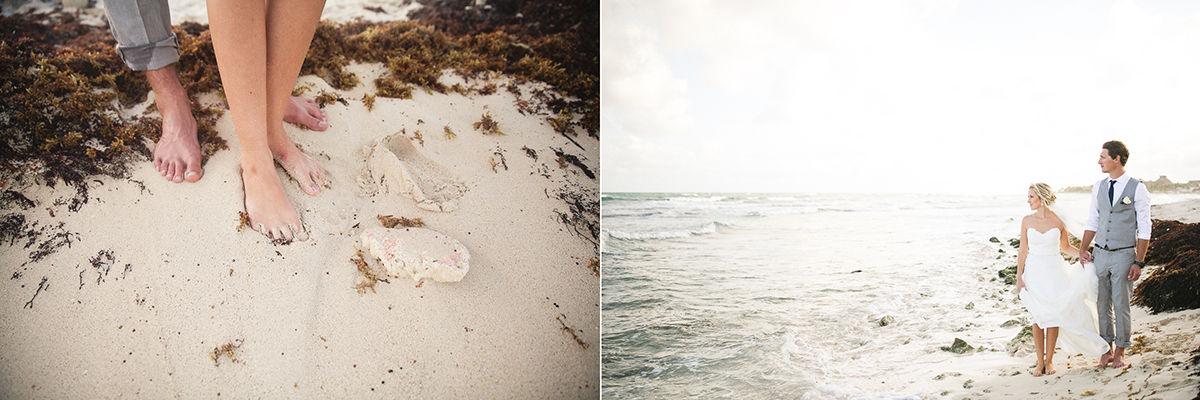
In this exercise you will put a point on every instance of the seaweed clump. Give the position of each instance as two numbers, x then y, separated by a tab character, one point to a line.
370	276
63	84
389	222
1176	285
416	54
487	125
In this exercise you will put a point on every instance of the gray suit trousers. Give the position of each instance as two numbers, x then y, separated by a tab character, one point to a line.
143	32
1113	293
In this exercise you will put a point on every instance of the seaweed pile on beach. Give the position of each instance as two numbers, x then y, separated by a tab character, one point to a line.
64	84
63	88
416	54
1175	285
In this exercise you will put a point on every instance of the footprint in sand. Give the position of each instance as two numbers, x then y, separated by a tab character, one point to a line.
396	166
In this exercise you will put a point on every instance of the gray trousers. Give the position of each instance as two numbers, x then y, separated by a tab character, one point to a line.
143	32
1112	295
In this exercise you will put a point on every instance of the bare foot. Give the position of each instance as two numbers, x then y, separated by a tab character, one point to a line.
1037	371
177	153
302	111
1117	362
1105	359
304	169
1049	369
270	211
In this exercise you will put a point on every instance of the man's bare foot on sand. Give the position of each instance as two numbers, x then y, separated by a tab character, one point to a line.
177	153
302	111
1105	360
1118	362
270	211
304	169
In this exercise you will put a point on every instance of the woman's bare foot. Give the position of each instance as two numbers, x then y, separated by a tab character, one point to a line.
304	169
270	211
1037	371
302	111
1049	369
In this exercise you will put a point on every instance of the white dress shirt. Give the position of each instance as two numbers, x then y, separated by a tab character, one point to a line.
1141	205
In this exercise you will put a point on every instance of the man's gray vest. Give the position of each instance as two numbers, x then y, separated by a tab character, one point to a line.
1118	223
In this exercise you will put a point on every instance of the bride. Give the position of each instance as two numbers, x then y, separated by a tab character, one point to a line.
1060	297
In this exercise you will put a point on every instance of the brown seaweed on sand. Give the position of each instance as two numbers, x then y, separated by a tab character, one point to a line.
225	350
574	335
1176	284
370	276
389	221
487	125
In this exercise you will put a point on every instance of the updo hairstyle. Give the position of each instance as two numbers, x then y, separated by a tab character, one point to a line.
1043	192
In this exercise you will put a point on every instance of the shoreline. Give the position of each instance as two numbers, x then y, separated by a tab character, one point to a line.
1159	364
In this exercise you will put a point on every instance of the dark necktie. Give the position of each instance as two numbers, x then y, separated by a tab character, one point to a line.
1111	184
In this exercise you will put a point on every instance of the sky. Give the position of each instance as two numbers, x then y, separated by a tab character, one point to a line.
894	96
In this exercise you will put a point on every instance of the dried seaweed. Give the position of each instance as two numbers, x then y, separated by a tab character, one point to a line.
487	125
1176	284
243	221
583	215
370	276
574	335
594	266
225	350
389	221
369	101
565	159
450	135
41	286
326	98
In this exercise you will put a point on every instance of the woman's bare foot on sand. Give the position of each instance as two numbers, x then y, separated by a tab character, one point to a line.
302	111
304	169
270	211
1037	371
1049	369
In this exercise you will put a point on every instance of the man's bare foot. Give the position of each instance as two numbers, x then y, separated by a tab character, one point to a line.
302	111
1118	362
270	211
304	169
177	152
1105	359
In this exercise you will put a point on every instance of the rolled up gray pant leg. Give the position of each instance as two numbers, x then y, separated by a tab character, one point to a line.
143	32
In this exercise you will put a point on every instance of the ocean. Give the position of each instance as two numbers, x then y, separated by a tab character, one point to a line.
781	295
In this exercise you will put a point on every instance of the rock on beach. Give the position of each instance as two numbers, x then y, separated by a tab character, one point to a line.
418	253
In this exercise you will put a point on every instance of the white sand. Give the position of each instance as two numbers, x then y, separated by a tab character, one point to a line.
157	277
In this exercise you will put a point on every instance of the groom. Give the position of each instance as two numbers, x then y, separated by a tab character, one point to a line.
1119	221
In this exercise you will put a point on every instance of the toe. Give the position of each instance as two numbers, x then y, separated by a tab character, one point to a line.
314	123
194	172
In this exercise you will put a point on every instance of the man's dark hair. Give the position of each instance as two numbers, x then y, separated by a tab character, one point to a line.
1117	149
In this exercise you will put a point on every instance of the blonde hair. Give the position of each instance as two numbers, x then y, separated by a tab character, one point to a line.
1043	192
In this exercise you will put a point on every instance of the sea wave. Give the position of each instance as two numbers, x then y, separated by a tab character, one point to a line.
706	229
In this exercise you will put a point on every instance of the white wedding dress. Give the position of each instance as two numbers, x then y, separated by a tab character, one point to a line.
1058	294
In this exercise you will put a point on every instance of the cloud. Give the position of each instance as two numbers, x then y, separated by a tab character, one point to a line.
639	91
